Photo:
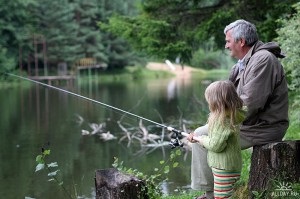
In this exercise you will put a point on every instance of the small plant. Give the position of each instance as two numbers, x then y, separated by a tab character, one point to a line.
258	195
52	173
153	181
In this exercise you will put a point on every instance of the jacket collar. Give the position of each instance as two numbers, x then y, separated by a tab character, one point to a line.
272	47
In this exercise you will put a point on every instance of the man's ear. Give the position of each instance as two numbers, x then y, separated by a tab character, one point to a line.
243	42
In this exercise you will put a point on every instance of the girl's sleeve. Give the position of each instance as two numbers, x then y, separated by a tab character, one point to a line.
217	142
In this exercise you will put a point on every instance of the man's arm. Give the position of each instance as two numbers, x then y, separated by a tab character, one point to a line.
258	83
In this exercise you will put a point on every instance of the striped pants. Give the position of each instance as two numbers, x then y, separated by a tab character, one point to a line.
223	182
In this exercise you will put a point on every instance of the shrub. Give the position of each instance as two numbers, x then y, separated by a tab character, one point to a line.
290	42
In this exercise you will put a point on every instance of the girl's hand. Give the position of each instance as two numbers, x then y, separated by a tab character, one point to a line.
191	137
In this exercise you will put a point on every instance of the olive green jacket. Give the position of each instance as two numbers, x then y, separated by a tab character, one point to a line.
263	88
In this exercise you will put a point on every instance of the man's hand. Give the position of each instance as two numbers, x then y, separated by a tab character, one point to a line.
191	137
198	139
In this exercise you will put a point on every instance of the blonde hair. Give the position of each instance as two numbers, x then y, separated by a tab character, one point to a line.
224	103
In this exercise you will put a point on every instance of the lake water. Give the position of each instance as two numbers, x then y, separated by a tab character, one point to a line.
35	117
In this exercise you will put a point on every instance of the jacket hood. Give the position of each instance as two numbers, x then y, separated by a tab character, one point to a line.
272	47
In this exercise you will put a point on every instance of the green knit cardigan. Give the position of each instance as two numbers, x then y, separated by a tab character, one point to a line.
223	145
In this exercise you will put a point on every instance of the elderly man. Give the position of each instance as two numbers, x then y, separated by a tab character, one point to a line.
260	82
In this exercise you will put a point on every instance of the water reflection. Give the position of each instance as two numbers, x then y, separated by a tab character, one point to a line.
34	117
171	89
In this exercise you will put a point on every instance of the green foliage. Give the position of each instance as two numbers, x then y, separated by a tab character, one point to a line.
294	117
207	57
98	44
137	73
278	189
185	195
57	25
154	180
7	63
168	29
290	43
163	29
42	163
118	51
213	27
16	21
70	30
156	37
259	195
86	14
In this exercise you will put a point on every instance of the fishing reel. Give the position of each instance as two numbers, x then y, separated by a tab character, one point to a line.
177	136
175	143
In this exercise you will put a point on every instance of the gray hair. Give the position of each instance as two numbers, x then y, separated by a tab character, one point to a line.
242	29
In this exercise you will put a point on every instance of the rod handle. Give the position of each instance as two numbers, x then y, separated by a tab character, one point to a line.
177	131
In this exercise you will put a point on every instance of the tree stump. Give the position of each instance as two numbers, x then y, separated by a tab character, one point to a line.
113	184
278	161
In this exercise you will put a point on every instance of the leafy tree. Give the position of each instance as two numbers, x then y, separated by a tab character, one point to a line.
69	27
7	63
117	49
56	21
15	25
154	36
88	33
290	43
177	28
265	14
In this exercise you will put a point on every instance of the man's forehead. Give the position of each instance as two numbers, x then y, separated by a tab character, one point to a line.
228	35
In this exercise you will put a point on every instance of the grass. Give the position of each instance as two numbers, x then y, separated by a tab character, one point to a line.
126	74
293	132
189	195
139	73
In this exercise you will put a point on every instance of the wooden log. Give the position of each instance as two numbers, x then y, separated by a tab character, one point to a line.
279	161
113	184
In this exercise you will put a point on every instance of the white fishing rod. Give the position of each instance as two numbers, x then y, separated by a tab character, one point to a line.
173	143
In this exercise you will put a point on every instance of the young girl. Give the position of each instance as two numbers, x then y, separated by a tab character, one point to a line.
222	141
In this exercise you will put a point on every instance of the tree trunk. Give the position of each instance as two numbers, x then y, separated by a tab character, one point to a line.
279	161
112	184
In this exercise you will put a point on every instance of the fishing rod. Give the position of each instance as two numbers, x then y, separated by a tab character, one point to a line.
174	143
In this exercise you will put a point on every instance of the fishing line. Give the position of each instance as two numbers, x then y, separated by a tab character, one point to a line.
177	132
